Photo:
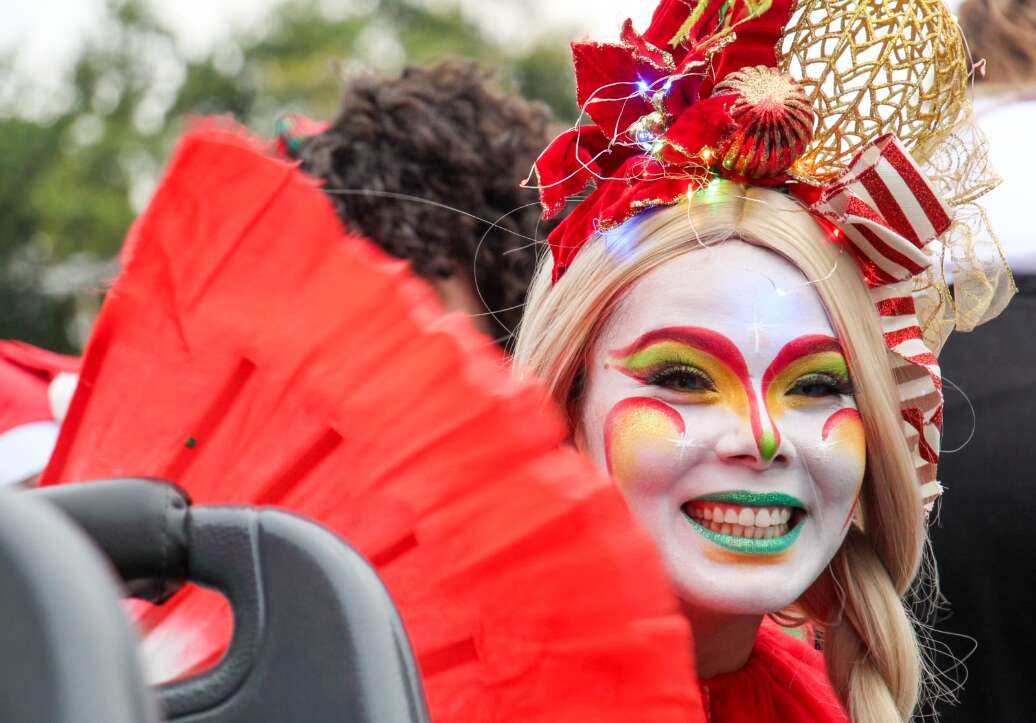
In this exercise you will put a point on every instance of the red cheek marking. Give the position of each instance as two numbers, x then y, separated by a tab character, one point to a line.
846	426
847	415
637	431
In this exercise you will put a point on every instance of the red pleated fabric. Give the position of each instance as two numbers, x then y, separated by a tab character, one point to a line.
253	353
783	682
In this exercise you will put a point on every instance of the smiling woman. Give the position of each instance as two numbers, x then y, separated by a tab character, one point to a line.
742	319
723	360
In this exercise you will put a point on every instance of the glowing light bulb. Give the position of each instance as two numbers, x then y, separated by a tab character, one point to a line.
646	139
643	87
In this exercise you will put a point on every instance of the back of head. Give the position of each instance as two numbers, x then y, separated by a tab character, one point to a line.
427	165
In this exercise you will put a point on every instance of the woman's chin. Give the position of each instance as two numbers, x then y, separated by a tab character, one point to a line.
727	574
747	598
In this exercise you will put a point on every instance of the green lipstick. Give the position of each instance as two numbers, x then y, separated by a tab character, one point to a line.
748	545
753	499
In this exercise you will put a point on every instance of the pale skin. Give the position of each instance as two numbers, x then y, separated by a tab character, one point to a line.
718	397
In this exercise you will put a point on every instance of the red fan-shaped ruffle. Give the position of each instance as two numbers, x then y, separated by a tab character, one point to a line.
252	353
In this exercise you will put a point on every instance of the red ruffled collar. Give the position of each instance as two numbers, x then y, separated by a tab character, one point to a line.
784	681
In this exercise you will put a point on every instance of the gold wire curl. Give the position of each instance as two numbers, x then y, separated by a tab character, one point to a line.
871	67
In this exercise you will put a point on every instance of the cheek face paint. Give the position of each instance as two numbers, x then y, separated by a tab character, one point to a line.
640	436
709	365
844	431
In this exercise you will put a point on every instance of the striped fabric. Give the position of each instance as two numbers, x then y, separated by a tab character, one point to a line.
887	213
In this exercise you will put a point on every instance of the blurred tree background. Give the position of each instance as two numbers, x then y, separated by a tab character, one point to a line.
73	180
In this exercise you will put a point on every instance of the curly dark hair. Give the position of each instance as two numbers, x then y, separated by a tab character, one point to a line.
425	165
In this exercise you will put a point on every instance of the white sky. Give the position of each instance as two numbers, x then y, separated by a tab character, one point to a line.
47	33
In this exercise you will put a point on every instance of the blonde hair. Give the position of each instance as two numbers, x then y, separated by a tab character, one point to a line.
872	653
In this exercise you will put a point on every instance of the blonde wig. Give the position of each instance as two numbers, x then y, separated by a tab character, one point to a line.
872	653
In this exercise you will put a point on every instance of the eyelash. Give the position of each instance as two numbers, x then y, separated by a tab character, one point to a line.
667	378
832	385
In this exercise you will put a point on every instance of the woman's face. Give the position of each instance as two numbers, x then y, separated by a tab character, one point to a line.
718	397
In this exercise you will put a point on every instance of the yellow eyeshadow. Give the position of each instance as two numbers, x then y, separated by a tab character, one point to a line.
663	353
828	362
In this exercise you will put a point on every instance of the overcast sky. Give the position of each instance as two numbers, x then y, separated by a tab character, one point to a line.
47	33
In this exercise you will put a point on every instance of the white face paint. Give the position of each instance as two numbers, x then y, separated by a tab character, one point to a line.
718	397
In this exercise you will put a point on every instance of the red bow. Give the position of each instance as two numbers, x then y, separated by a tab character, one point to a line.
885	212
655	122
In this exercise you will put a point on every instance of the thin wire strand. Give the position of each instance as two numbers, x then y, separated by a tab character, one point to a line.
974	418
429	202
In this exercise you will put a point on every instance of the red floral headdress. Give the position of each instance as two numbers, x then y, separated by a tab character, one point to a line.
699	95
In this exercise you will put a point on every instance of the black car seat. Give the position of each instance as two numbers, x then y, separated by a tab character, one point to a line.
316	636
67	651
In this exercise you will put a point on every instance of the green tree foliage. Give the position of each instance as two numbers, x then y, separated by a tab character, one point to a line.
71	183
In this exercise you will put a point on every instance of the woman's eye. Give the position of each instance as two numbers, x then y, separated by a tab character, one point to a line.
682	379
821	385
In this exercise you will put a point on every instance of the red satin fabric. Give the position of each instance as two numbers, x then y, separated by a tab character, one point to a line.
783	682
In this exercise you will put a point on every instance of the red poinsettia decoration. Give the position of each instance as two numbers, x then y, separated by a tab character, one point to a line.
665	120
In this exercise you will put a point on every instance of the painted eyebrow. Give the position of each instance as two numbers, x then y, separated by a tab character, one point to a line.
705	340
797	349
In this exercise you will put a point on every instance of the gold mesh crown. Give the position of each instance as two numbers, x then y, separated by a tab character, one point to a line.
874	67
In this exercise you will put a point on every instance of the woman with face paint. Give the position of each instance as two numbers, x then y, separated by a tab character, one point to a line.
742	319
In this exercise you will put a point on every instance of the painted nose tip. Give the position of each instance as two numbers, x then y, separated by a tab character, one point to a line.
768	445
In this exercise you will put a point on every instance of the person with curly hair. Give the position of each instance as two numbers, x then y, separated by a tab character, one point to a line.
427	165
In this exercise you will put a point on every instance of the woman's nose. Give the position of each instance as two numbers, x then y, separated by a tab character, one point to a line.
753	445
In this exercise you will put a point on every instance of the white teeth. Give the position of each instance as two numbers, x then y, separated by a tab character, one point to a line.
756	523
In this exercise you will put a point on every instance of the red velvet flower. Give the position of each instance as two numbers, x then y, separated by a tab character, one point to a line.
657	124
